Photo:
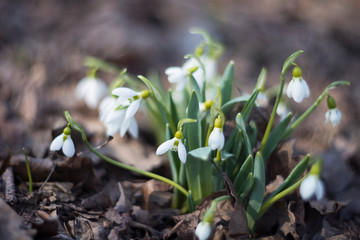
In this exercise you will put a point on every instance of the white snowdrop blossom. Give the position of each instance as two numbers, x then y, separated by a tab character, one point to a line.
174	144
333	116
114	119
203	230
282	110
180	75
217	138
298	88
92	90
262	99
312	186
131	99
65	142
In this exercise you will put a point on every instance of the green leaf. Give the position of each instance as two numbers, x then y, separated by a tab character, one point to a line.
153	89
193	85
93	62
227	82
240	123
257	193
172	107
190	202
245	112
202	154
227	107
241	176
173	157
295	174
230	141
289	61
275	136
246	187
193	129
252	133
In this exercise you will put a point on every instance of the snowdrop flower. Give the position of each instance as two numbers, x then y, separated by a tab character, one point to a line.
131	99
180	75
312	186
92	90
114	119
333	115
217	138
203	230
174	144
282	110
297	88
262	99
65	142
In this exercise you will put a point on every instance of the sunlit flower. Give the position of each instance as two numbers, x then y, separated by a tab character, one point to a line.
174	144
131	99
65	142
114	119
312	186
180	75
217	138
203	230
92	90
333	115
298	88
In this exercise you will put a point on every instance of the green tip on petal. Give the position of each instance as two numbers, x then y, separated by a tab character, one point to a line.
297	72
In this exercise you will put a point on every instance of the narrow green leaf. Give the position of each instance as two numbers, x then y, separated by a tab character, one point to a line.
230	141
153	89
241	176
190	202
192	129
293	177
257	193
289	61
227	107
275	136
240	123
245	112
246	187
173	157
173	110
227	82
193	86
252	133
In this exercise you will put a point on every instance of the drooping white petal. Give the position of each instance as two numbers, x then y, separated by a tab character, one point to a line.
133	128
124	92
203	230
182	152
335	116
308	187
298	93
320	190
97	89
165	146
210	67
57	143
305	88
213	139
80	90
107	105
290	88
327	116
132	109
68	147
175	74
124	126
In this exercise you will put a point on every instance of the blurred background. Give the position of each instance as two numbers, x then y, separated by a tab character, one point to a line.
43	44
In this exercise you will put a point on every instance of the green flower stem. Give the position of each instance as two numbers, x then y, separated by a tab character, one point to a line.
273	114
28	171
313	107
77	127
280	195
209	214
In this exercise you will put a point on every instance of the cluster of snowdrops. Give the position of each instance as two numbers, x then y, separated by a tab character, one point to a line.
188	122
